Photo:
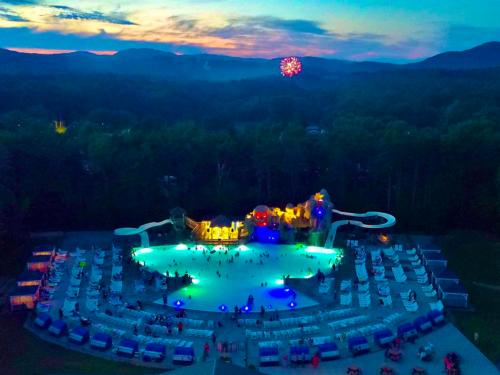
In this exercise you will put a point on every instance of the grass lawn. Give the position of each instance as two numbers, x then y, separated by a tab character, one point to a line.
22	353
476	259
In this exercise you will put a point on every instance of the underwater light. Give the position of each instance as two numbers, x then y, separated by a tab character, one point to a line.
279	282
178	303
219	248
243	248
246	308
144	250
292	304
223	307
181	246
195	281
287	290
319	250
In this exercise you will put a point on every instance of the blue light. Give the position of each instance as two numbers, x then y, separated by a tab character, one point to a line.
178	303
281	292
246	308
223	308
319	211
266	235
292	304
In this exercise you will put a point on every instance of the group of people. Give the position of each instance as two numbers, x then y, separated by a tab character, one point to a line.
303	359
451	364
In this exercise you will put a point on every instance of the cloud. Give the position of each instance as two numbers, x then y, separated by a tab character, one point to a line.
275	23
273	37
22	2
179	23
262	36
24	37
242	26
10	15
69	13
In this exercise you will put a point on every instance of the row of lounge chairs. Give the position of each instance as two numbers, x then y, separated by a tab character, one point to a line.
321	316
357	341
283	333
153	349
348	322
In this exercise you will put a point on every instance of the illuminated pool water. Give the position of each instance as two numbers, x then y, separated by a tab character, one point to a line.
226	276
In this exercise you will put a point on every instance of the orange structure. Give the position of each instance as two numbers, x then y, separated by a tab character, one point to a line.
219	230
263	222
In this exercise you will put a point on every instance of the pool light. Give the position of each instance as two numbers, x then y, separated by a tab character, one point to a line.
181	246
319	250
195	281
144	250
223	308
292	304
279	282
178	303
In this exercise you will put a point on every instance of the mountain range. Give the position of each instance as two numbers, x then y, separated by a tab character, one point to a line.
156	63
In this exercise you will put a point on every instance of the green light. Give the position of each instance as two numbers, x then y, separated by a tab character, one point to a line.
196	281
319	250
181	246
279	282
144	250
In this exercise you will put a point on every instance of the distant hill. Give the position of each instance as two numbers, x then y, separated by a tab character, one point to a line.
483	56
155	63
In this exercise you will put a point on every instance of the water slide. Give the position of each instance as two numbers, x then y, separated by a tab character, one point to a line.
142	230
389	222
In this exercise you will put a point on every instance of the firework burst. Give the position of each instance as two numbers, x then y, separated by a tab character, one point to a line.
290	66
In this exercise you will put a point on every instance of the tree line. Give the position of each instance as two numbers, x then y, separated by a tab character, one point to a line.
421	145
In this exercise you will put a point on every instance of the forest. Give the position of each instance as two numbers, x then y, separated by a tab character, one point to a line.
423	145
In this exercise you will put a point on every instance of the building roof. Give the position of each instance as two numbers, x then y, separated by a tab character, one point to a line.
447	274
44	247
431	255
453	288
24	290
436	268
30	276
39	259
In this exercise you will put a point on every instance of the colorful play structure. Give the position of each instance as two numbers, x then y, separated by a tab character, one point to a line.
272	224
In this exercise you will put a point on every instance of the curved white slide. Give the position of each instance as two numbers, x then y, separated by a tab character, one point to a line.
142	230
330	239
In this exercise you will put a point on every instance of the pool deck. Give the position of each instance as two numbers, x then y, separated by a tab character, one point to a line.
445	339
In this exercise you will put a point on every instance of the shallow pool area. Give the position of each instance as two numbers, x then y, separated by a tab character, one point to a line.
228	275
